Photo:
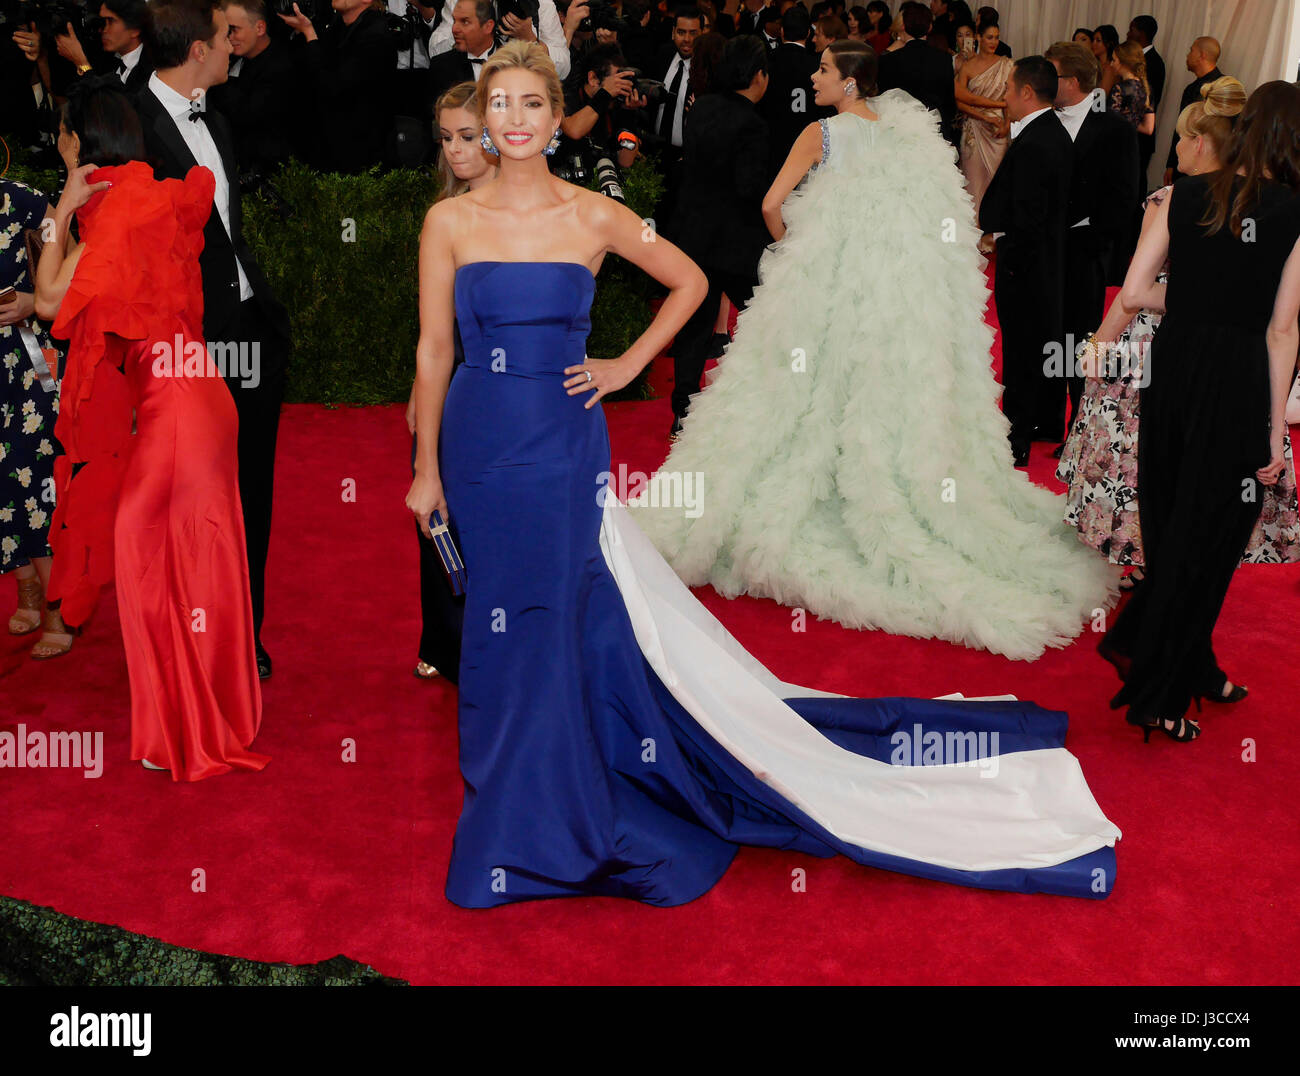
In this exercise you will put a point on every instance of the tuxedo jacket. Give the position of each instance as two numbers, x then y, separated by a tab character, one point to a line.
926	73
260	107
1156	76
349	78
1103	184
171	159
139	76
1028	199
786	110
445	71
725	174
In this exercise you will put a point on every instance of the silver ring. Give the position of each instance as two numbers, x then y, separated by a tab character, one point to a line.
588	373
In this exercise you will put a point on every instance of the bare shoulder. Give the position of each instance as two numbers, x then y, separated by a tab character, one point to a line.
599	215
442	216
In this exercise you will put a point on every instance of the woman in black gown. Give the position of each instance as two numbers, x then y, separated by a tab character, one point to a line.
1213	414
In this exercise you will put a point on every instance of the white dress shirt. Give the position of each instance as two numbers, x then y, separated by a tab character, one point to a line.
199	139
417	48
550	32
680	110
130	59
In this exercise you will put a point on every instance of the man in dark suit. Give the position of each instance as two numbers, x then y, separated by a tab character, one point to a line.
349	70
474	39
1203	62
1026	206
1143	30
942	23
258	97
1103	192
788	106
922	70
749	20
725	175
120	39
673	68
189	43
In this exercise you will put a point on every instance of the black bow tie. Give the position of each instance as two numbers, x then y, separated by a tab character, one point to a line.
197	114
121	65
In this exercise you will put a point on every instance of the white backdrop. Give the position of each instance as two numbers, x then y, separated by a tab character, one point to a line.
1260	39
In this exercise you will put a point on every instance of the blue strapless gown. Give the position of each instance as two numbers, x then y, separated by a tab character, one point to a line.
584	773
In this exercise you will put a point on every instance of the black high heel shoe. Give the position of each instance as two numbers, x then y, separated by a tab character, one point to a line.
1179	729
1215	694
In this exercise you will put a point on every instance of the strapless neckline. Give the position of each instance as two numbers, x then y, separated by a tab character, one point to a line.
489	261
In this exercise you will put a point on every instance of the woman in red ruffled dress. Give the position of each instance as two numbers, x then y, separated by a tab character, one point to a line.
159	509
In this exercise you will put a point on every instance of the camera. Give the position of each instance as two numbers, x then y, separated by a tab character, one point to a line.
524	9
601	16
649	88
310	8
405	29
51	17
581	160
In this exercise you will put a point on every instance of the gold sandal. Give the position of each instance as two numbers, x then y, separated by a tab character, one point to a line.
425	671
31	597
57	638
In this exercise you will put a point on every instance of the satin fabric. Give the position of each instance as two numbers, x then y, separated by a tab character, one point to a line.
158	510
585	745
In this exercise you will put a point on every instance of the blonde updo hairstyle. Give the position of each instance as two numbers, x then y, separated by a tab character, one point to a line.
525	55
1214	116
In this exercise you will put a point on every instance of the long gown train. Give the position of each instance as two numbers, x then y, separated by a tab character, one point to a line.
616	741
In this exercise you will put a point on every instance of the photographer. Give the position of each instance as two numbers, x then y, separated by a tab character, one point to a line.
416	21
258	94
123	52
601	106
350	77
526	20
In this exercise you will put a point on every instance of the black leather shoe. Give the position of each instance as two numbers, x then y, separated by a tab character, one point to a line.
1058	450
1020	455
263	663
676	431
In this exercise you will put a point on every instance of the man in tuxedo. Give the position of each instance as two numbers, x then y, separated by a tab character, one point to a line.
189	44
941	22
1203	62
124	54
349	72
1026	206
749	20
1103	192
788	104
673	69
549	31
922	70
1143	30
725	175
258	95
474	39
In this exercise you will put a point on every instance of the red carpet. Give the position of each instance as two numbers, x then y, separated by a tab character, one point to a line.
316	855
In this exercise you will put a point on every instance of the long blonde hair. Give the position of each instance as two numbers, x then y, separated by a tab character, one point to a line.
1130	54
1214	116
462	95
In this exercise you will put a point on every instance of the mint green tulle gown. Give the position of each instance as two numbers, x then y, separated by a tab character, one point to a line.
853	455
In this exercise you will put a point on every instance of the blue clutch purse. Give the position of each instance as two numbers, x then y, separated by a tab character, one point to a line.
451	559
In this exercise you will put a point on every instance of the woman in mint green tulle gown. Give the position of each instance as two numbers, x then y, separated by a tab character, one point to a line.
861	469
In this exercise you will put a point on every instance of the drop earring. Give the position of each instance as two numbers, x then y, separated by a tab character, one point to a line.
487	144
553	144
850	87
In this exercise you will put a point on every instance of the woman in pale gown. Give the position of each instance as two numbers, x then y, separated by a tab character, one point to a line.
981	90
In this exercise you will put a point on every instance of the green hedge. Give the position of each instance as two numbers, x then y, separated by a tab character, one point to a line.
352	291
344	264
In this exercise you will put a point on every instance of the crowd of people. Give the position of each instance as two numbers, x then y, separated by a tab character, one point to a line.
1167	408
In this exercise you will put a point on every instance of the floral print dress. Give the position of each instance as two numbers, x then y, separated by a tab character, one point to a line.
27	411
1099	464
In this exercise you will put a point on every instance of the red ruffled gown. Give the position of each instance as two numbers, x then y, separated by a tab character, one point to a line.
159	509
